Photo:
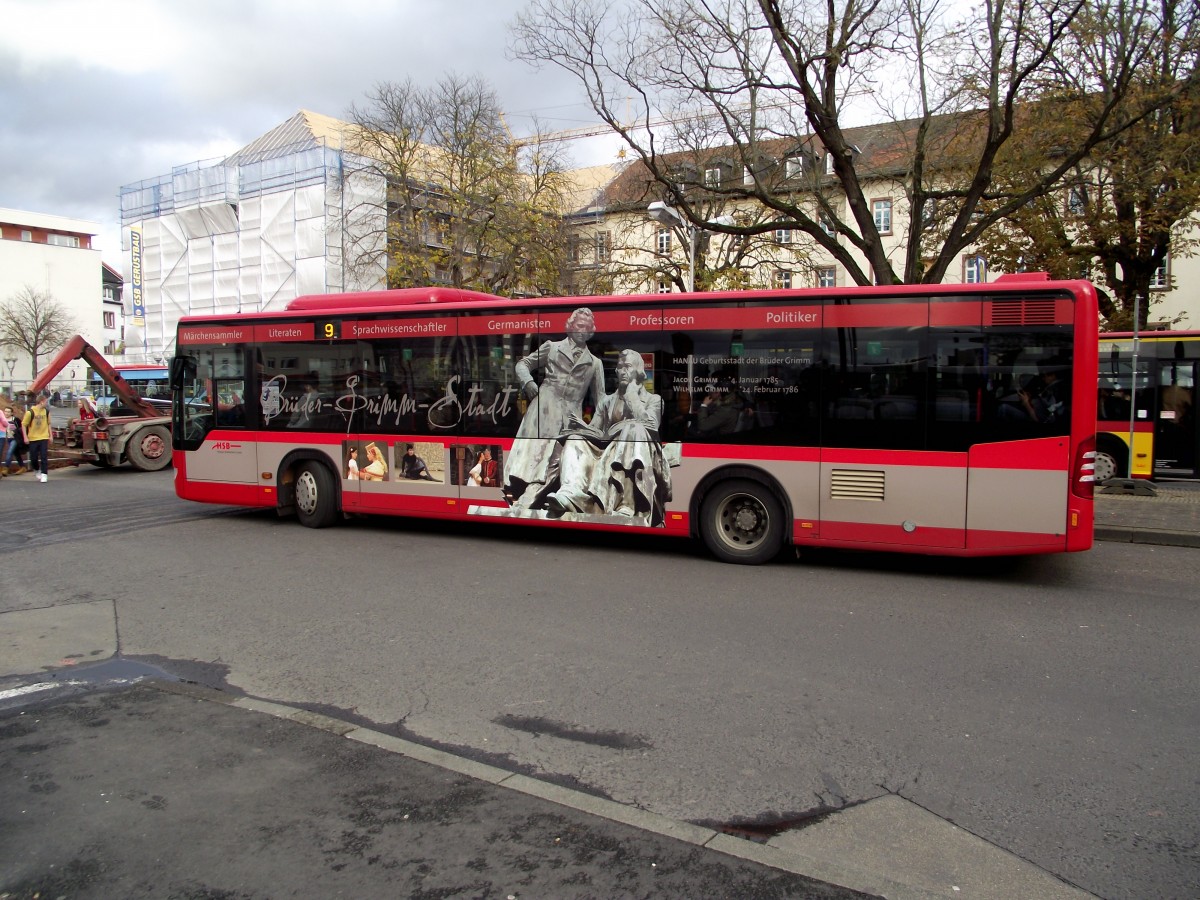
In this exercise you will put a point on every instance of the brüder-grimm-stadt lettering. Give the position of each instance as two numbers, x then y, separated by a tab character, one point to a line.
444	413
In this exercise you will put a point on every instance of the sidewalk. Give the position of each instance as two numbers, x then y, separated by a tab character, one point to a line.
152	788
1172	517
161	790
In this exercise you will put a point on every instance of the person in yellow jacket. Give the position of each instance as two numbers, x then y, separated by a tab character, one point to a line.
37	430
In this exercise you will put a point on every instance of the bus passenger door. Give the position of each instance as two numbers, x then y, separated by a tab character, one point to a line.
227	451
1175	431
230	448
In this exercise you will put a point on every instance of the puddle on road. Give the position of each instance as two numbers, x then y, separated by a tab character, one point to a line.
113	671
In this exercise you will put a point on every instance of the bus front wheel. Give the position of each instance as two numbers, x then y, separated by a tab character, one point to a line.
742	522
316	496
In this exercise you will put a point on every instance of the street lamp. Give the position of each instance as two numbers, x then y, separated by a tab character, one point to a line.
12	361
666	214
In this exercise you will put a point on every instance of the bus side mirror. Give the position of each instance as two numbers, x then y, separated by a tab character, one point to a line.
180	365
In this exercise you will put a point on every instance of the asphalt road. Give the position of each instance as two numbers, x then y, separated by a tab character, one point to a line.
1048	705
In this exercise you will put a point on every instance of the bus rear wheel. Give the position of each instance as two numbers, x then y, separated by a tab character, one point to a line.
316	496
742	522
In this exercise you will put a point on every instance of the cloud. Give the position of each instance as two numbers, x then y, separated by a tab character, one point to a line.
100	95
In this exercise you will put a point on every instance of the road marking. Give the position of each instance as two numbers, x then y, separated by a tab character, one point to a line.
34	688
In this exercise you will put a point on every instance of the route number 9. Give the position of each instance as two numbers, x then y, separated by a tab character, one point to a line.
328	331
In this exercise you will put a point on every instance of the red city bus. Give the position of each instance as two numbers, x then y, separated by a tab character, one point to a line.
936	419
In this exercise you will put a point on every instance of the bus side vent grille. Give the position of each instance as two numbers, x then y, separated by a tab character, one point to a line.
1023	312
855	484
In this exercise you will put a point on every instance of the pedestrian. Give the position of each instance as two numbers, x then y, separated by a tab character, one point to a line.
6	427
16	444
37	432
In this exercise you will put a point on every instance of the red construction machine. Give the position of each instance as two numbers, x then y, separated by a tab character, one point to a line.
139	432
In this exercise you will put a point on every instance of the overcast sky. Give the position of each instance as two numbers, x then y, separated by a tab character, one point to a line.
96	94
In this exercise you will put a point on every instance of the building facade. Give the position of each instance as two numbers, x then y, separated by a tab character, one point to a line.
621	245
113	312
51	256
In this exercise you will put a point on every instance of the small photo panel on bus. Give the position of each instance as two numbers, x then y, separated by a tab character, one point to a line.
420	461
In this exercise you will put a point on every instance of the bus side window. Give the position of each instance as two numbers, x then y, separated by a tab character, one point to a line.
1030	384
229	402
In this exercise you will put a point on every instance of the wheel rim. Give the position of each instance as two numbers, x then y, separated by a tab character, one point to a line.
306	493
1105	467
743	522
153	446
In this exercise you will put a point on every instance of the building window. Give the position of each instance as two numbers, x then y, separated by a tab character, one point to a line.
783	235
603	246
747	176
1077	200
828	163
883	215
783	279
827	224
712	178
1161	279
664	287
827	277
26	235
110	320
794	166
664	241
974	270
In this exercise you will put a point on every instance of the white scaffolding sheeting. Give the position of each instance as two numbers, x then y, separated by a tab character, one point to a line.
253	231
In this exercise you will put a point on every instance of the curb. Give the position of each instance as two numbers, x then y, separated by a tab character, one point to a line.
1131	535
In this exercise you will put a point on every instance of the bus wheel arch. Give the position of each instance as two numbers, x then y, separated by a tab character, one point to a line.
742	514
1112	457
309	487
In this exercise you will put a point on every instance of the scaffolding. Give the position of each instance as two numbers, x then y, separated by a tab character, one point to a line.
247	233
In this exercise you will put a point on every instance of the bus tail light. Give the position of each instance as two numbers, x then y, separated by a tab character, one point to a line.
1083	476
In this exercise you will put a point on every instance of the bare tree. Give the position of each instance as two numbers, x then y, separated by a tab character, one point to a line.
466	204
35	322
765	80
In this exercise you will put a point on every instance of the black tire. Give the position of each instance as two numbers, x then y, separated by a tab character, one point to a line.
149	449
316	495
742	522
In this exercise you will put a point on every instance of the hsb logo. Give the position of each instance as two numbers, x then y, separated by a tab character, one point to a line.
222	445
